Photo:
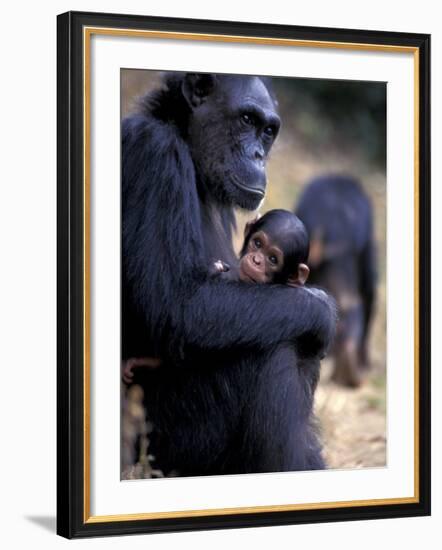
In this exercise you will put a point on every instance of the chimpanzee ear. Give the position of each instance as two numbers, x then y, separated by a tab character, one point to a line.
197	87
250	224
300	277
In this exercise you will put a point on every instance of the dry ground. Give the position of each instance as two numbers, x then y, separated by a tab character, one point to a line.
353	423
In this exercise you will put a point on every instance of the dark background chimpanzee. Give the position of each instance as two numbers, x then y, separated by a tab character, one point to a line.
230	395
338	216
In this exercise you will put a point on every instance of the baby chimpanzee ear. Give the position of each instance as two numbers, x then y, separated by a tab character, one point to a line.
196	87
300	277
249	225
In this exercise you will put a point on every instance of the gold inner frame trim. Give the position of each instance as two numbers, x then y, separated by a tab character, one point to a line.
87	33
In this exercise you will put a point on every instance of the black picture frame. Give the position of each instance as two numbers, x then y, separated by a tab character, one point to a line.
72	516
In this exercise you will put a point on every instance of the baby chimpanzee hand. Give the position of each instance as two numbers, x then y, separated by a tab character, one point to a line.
128	365
218	268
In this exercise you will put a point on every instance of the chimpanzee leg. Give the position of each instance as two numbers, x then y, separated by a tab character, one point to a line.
249	416
368	277
194	411
277	422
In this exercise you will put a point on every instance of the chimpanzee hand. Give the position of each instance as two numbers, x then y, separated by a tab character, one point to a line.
221	266
309	344
218	268
318	292
128	365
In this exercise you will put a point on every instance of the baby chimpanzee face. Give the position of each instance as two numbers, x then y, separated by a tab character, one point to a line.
262	260
275	250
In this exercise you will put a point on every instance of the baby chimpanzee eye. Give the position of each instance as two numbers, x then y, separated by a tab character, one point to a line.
273	260
257	243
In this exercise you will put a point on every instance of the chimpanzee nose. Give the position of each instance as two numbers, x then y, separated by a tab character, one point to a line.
259	154
256	260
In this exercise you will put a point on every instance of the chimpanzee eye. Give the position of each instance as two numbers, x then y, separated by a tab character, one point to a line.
257	243
273	260
247	119
269	131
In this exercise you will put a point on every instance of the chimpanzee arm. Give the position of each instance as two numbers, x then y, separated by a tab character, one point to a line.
166	270
222	314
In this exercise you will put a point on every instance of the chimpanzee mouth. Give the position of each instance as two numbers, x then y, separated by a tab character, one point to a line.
245	275
246	278
249	189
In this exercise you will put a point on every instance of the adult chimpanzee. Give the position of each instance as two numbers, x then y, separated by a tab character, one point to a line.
338	216
196	149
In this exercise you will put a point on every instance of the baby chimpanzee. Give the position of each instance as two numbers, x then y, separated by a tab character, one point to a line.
275	250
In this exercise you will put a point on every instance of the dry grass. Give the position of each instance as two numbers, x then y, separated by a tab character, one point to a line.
353	422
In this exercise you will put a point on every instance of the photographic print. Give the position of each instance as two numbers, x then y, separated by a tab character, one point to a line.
243	275
285	189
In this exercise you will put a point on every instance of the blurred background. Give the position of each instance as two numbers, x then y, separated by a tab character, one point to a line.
328	127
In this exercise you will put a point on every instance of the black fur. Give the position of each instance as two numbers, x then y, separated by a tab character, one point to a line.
336	210
231	396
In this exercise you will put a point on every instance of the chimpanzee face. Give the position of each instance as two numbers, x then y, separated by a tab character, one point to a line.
262	260
231	130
